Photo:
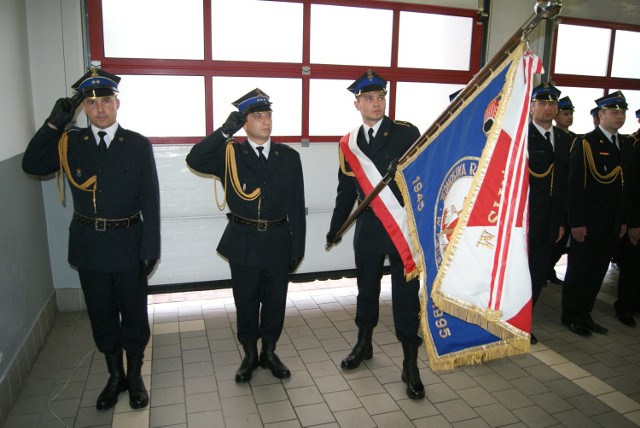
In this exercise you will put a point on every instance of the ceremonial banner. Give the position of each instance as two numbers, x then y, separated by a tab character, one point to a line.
465	191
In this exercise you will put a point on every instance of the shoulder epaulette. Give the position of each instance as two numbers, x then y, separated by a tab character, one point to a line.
75	129
403	123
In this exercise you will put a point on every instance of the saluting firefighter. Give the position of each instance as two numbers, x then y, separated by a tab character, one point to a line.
264	240
114	237
381	140
548	149
597	172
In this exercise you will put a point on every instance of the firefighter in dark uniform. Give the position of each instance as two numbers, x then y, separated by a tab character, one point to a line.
114	237
563	120
264	240
548	149
382	140
628	301
596	212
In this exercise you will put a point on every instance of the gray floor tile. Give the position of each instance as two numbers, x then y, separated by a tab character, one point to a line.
191	373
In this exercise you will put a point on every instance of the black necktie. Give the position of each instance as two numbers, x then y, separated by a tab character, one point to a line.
370	136
102	145
613	140
263	159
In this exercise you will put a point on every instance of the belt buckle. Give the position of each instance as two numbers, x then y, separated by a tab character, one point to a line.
262	225
101	224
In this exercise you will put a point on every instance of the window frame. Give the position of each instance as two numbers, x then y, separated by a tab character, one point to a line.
210	67
607	83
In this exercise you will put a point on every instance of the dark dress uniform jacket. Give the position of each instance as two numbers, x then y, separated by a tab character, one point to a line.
282	195
391	141
547	195
592	203
127	183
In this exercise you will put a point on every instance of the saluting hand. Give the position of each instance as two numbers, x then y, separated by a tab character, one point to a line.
64	110
234	122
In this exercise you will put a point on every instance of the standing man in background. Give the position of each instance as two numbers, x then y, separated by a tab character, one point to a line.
548	149
564	119
114	237
380	140
628	301
596	212
264	240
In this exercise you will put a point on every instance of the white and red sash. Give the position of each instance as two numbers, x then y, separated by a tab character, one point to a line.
385	205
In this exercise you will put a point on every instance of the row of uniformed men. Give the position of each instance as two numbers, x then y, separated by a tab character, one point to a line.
585	188
114	236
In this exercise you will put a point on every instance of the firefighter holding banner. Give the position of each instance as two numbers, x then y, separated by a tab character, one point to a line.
380	140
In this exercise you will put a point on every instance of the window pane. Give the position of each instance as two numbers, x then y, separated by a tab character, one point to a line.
350	35
451	52
625	62
422	103
583	100
285	96
582	50
251	30
162	106
171	29
331	109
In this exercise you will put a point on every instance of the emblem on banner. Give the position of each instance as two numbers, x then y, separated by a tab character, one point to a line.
451	197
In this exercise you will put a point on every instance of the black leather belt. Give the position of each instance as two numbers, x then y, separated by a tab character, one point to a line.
260	225
102	224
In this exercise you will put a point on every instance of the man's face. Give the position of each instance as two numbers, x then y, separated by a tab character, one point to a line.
372	106
564	119
103	111
612	120
258	126
543	112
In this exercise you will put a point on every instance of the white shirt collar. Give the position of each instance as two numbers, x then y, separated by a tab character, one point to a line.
374	127
111	132
543	131
267	148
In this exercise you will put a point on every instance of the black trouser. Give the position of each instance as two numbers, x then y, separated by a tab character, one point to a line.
260	295
586	269
540	258
405	299
629	279
559	248
117	308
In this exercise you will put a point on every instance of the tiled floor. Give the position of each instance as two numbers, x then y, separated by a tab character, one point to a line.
566	380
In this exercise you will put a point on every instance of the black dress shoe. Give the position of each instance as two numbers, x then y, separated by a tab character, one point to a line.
578	328
627	320
269	360
533	339
596	328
